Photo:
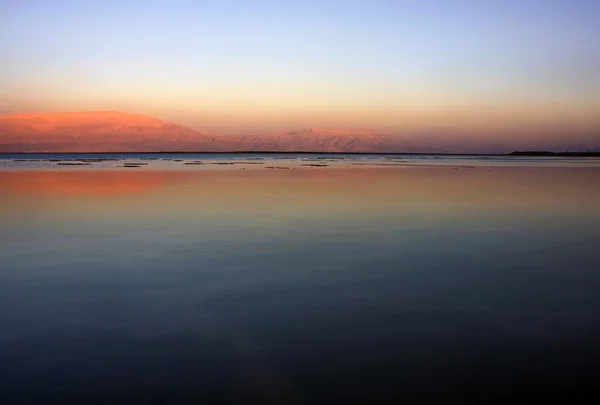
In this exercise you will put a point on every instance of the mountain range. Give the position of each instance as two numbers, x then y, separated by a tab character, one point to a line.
109	131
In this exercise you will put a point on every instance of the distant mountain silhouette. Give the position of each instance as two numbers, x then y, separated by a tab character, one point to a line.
101	131
324	140
109	131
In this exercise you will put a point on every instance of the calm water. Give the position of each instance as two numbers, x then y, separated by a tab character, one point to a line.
314	285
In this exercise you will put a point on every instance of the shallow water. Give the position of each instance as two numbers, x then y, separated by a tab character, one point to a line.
237	161
310	286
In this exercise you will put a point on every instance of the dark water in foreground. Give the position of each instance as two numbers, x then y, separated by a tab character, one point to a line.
309	286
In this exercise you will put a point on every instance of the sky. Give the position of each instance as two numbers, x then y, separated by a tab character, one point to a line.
517	68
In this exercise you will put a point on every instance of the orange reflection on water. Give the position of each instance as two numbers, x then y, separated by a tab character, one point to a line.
432	181
83	183
317	190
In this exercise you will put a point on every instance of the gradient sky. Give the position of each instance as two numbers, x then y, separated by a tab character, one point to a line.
233	65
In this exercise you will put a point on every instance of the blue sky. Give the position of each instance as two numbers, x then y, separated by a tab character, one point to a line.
280	63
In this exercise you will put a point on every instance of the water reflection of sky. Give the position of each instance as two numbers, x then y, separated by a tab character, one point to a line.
366	279
363	193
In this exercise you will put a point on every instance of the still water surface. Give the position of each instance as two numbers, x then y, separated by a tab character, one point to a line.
307	286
